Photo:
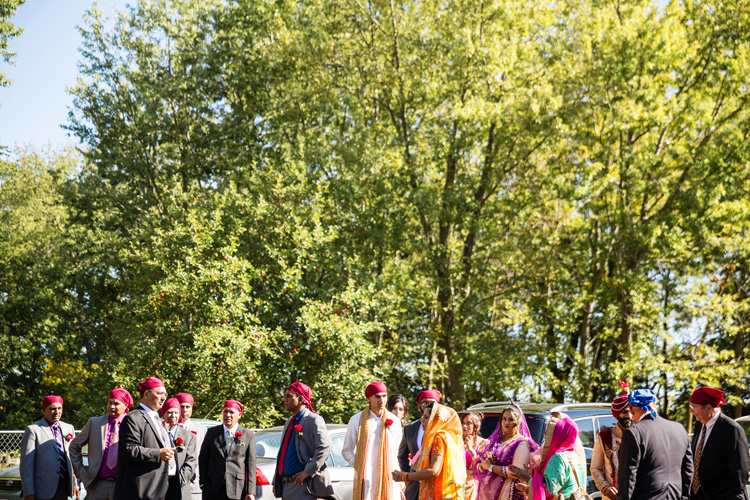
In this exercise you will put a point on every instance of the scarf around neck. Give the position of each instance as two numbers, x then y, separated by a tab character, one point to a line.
385	480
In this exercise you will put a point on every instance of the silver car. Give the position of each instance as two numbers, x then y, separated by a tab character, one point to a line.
267	444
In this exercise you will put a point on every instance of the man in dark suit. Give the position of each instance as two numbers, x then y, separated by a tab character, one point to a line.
46	470
721	458
144	457
227	458
102	435
412	441
301	464
654	458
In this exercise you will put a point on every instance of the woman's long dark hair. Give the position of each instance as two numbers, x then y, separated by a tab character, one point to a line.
396	398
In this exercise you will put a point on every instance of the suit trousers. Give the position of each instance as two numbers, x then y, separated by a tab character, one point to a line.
294	491
62	490
101	489
174	492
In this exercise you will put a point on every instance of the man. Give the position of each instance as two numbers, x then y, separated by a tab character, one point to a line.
721	462
186	412
412	441
371	447
46	470
301	472
655	458
145	457
102	435
227	458
186	457
604	461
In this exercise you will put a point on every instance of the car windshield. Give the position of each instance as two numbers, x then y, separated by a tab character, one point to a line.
267	443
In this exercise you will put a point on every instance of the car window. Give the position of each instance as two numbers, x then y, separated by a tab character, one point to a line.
607	423
586	431
267	444
746	427
338	458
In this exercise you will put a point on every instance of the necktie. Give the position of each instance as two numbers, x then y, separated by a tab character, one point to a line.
229	441
114	444
57	434
284	446
696	484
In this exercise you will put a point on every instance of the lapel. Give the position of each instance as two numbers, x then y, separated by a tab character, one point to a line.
177	454
152	424
103	434
296	434
715	430
222	441
46	429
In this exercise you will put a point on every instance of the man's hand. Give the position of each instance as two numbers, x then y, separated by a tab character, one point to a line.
166	454
610	492
249	497
300	476
76	493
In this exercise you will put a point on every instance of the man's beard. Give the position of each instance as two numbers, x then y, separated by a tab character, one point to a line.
624	422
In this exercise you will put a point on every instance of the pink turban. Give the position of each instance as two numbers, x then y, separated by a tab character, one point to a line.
708	396
231	403
169	404
375	388
433	394
48	400
149	383
304	392
184	397
619	404
123	397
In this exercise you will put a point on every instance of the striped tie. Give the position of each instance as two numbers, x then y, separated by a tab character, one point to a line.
696	484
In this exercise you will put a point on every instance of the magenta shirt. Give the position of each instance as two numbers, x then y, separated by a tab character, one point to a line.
105	471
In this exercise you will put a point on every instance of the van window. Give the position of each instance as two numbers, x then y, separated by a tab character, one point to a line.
586	431
607	423
338	459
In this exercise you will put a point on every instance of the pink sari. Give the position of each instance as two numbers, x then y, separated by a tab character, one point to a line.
560	436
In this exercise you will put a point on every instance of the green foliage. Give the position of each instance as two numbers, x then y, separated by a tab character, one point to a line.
7	31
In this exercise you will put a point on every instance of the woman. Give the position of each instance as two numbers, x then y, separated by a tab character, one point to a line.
473	442
183	443
399	406
560	462
440	466
501	464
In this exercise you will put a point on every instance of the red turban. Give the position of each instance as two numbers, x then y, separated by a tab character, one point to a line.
304	392
48	400
231	403
375	388
169	404
149	383
184	397
123	397
429	394
708	396
619	404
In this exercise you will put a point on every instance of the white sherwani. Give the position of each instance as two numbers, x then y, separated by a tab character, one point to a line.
394	432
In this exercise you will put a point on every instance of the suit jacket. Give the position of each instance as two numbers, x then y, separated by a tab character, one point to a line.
40	459
409	446
655	461
725	461
314	447
187	459
94	433
141	475
236	469
199	432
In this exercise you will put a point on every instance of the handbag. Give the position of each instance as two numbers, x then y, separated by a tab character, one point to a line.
580	493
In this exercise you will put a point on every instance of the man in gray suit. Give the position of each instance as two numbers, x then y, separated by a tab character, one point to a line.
301	464
46	470
655	461
412	441
186	412
102	435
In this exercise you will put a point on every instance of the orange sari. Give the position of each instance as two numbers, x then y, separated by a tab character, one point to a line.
443	436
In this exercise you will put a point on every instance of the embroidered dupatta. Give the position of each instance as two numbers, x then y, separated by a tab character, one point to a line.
385	480
445	423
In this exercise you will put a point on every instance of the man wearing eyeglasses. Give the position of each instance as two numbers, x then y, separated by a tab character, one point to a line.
721	461
145	456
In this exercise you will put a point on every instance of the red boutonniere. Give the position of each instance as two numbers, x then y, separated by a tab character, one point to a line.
69	437
388	422
237	436
179	442
298	428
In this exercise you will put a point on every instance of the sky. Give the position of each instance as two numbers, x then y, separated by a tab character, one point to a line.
35	105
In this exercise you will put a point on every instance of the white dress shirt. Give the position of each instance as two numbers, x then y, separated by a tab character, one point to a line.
349	450
708	427
163	434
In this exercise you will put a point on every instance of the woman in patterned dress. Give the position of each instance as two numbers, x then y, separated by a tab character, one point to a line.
503	460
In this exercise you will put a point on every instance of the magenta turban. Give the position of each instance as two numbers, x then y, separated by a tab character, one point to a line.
169	404
231	403
375	388
48	400
302	391
708	396
433	394
184	397
123	397
149	383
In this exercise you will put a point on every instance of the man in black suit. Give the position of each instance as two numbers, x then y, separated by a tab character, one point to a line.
301	472
721	457
654	458
144	454
412	441
226	463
